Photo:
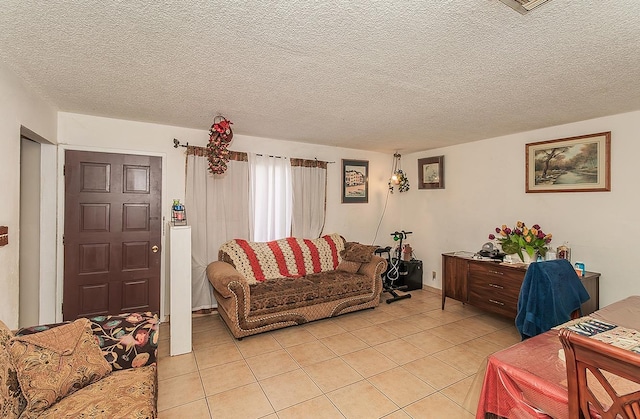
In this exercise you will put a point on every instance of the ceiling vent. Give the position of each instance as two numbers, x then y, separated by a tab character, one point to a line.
523	6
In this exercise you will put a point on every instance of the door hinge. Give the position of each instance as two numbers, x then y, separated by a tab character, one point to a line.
63	240
64	170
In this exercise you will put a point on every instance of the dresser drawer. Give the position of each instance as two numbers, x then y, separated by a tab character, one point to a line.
496	283
495	287
496	271
495	300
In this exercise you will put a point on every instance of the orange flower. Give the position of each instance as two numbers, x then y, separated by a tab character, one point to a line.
140	360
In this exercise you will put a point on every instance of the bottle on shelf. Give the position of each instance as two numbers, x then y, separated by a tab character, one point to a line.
178	213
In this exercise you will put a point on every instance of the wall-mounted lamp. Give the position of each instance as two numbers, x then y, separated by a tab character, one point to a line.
398	177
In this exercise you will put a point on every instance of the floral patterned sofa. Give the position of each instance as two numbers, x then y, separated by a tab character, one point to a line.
267	286
103	367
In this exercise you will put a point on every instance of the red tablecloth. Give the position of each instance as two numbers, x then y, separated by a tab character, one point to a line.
529	379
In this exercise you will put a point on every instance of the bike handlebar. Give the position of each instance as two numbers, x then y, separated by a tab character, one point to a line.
404	233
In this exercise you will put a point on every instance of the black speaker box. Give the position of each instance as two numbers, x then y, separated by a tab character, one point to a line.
410	274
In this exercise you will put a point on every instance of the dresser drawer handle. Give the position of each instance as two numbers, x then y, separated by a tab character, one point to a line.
496	286
497	302
496	272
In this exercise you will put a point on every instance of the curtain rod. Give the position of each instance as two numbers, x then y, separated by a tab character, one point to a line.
298	158
176	144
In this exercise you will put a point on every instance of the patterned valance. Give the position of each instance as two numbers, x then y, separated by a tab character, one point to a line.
308	163
203	152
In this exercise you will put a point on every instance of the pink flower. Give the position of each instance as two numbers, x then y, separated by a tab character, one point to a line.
491	237
127	340
134	318
141	337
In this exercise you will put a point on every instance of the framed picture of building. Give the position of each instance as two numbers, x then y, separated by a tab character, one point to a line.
355	181
575	164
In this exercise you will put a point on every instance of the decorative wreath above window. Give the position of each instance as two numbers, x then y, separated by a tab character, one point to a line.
220	136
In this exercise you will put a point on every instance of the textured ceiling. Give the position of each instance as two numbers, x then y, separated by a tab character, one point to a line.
376	75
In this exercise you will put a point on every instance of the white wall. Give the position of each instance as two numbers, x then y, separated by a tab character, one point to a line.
19	105
484	188
356	222
29	232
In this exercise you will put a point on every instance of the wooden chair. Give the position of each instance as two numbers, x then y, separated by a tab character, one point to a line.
585	354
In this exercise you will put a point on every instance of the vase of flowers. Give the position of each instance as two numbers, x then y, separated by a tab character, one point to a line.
522	240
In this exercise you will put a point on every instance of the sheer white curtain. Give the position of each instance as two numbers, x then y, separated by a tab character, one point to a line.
218	211
309	189
269	197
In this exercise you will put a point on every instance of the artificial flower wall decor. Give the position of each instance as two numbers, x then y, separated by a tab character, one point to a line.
532	240
220	136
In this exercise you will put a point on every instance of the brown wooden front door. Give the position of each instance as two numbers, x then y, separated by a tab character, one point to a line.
112	231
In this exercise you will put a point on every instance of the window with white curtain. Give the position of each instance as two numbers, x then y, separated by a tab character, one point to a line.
270	197
309	189
218	208
265	199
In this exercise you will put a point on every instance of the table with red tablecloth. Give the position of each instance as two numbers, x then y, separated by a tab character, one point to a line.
529	379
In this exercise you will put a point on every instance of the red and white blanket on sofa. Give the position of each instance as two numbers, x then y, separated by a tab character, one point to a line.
284	258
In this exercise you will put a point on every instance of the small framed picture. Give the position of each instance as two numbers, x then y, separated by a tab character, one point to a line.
431	173
355	181
575	164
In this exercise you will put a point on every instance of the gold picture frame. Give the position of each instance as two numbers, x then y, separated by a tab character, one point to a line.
573	164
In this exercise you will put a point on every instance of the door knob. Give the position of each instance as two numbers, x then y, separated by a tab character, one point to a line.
154	249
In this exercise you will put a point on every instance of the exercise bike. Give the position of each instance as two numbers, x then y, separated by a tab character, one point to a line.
391	275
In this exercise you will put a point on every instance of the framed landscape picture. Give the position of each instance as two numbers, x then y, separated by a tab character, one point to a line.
575	164
355	181
431	173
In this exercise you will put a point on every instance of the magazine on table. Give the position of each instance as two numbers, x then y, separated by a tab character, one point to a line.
610	333
587	326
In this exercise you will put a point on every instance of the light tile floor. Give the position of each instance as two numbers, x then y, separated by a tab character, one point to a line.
408	359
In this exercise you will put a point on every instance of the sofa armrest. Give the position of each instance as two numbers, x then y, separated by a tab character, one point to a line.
223	276
374	268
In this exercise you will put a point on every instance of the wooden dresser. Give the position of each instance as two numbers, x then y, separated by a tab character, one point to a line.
495	287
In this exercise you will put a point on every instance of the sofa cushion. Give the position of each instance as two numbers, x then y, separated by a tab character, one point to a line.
127	394
55	363
127	340
274	296
356	252
284	258
349	266
12	402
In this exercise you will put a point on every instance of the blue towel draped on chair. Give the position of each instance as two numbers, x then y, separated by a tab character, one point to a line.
550	292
